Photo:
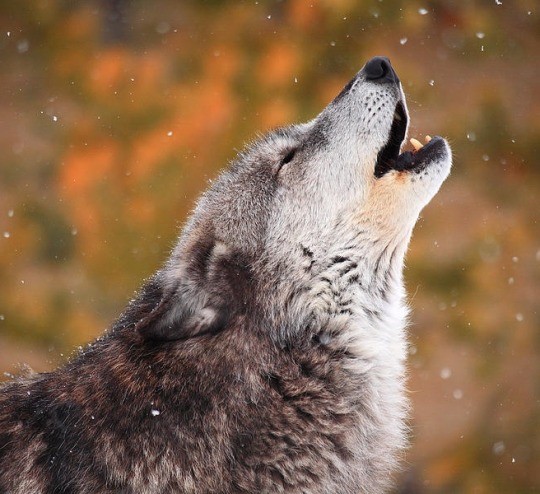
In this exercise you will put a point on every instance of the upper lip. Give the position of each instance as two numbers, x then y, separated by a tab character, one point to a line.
389	158
389	154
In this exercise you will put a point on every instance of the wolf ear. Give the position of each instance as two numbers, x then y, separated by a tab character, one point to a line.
201	298
182	313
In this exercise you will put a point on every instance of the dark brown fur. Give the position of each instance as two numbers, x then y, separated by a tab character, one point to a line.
233	408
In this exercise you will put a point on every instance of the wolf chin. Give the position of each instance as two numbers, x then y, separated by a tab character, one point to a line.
267	355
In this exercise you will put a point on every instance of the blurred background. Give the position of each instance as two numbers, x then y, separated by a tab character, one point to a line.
114	115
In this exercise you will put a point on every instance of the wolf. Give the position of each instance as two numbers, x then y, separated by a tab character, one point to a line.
267	355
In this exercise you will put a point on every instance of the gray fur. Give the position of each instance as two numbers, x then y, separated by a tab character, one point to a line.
268	354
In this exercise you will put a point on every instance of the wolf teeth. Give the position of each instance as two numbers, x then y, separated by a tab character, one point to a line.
416	144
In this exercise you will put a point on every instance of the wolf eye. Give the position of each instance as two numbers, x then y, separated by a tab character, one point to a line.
287	158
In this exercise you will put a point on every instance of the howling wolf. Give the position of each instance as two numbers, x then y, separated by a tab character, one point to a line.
267	355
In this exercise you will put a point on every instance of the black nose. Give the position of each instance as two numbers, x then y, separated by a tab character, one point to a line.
379	69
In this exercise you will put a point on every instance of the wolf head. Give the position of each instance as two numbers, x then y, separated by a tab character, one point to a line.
296	203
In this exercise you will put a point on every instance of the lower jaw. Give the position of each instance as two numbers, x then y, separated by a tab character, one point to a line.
412	161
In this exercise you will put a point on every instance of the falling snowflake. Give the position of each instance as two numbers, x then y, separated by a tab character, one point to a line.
445	373
457	394
498	448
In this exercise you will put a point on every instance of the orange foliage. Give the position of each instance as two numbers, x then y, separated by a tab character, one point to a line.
222	62
116	68
83	170
445	469
303	14
108	69
149	69
276	112
142	210
203	111
279	65
85	166
149	150
79	25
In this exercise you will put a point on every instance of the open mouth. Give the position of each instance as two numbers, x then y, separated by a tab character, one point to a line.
389	157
